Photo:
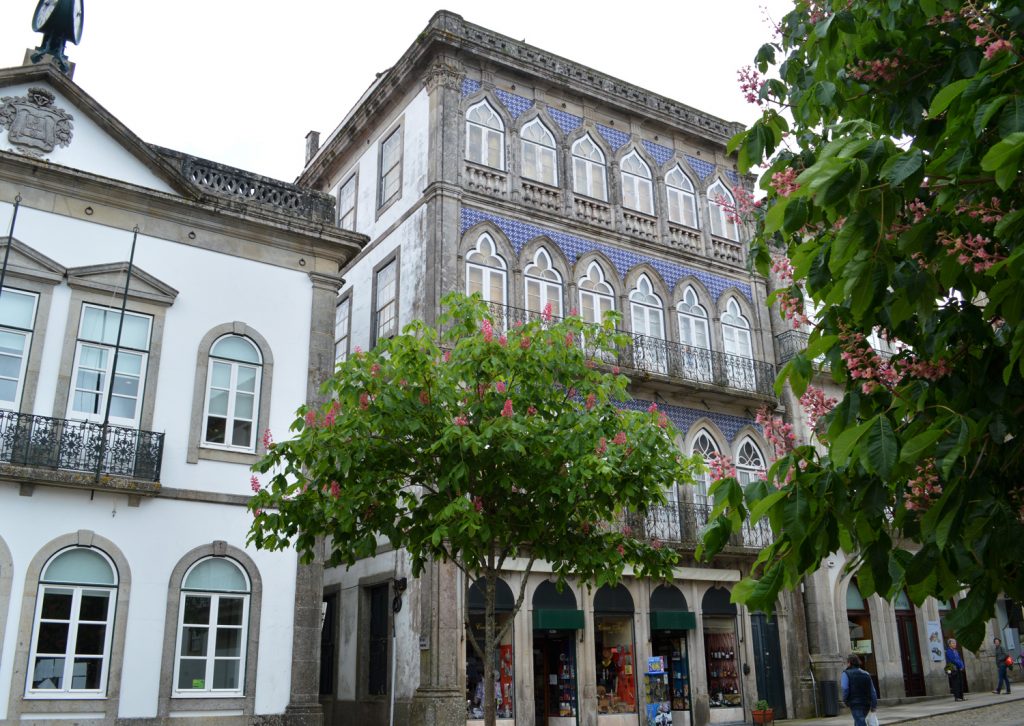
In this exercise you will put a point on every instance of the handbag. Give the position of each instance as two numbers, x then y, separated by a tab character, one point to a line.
872	719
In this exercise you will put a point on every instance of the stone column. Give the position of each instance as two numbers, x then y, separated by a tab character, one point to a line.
440	698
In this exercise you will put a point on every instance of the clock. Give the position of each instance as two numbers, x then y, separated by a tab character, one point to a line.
77	20
44	10
63	18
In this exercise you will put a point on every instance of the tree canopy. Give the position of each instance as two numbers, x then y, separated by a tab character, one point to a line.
476	445
894	202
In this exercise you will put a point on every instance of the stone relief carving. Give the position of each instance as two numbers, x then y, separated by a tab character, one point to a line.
34	125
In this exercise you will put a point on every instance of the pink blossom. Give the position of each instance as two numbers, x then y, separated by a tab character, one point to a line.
499	386
627	530
335	489
924	488
572	393
254	483
524	342
460	421
375	370
358	350
602	446
750	84
662	420
364	400
424	397
268	439
653	408
506	410
615	370
573	312
997	47
779	433
621	550
591	401
816	405
531	410
620	438
502	341
311	419
257	512
478	504
569	340
784	182
657	544
446	356
546	313
721	467
487	331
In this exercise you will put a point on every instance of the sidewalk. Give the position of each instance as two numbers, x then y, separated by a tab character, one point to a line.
920	710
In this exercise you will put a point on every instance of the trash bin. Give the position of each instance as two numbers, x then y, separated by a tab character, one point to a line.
829	698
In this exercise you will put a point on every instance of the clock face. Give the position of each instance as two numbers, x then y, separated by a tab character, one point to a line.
44	10
77	20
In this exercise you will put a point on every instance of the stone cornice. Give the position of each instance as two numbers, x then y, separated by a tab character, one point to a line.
214	223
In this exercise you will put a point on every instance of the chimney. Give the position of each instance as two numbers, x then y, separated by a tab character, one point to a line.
312	145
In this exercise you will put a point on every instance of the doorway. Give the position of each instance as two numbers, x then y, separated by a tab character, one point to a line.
910	646
768	662
554	678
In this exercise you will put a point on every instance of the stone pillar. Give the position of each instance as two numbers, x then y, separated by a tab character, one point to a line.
440	698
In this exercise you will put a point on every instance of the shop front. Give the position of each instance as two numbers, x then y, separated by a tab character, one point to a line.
556	622
721	655
669	692
858	616
615	657
504	661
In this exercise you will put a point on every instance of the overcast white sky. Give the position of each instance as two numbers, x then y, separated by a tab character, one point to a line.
242	81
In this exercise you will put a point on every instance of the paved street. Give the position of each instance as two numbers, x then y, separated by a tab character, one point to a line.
979	708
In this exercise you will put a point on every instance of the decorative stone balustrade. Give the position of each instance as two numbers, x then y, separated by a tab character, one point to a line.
592	211
640	226
682	238
726	251
542	197
487	181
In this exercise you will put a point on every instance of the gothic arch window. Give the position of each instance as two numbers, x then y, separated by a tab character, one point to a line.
485	136
703	444
486	271
543	284
539	153
596	296
682	201
749	463
637	188
722	210
738	348
695	337
648	320
588	169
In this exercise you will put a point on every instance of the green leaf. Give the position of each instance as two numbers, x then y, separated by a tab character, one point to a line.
773	220
946	96
901	166
1005	152
795	215
1012	118
985	113
881	447
824	92
844	443
915	447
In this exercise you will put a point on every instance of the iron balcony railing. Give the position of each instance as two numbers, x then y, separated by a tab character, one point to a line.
789	343
646	354
86	446
681	523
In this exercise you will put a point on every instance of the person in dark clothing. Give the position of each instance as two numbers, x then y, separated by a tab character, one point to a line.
858	690
955	668
1001	655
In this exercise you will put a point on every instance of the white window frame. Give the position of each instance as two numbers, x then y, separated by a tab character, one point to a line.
703	444
647	318
738	342
26	335
596	296
213	626
347	203
721	224
484	261
589	171
104	383
232	390
693	323
485	136
539	153
750	462
385	327
391	153
342	327
543	283
682	200
77	590
637	187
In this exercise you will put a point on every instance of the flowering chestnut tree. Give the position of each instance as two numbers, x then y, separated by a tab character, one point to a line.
476	446
894	202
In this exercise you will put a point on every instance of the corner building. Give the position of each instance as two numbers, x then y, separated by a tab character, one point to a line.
478	163
158	312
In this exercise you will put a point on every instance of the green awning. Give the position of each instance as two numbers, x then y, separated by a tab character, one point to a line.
557	619
673	620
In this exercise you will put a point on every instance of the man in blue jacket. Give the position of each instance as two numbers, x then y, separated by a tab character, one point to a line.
858	691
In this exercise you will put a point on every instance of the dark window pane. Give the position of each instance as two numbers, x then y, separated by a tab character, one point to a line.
230	612
57	604
241	433
53	638
225	674
192	674
215	428
94	606
90	639
378	645
48	673
229	642
86	673
193	641
197	609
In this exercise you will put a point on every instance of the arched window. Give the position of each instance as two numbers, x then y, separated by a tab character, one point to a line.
682	202
539	155
749	463
73	625
693	334
722	210
704	445
232	394
647	314
588	169
543	284
596	296
736	336
213	622
486	271
637	190
485	136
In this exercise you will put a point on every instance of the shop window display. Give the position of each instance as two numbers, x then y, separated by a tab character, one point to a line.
722	665
503	671
616	671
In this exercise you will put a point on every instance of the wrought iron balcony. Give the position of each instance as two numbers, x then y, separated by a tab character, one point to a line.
645	354
680	523
789	343
80	446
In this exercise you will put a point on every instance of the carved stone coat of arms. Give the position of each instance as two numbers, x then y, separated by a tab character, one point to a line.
34	125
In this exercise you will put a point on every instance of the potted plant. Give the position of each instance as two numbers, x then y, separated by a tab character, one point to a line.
762	712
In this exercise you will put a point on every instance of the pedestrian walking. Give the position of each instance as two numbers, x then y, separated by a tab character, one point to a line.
955	669
1002	656
858	690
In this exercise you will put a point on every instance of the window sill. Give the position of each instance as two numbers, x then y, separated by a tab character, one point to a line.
233	457
64	696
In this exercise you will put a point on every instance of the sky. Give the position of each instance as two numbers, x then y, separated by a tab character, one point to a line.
241	82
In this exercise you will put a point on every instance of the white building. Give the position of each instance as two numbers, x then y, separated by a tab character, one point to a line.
127	590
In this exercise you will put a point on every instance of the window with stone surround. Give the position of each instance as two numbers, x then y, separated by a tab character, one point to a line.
539	152
722	210
637	189
543	284
588	169
485	136
390	186
682	202
347	204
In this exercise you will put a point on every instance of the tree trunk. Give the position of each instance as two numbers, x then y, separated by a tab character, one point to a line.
490	703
